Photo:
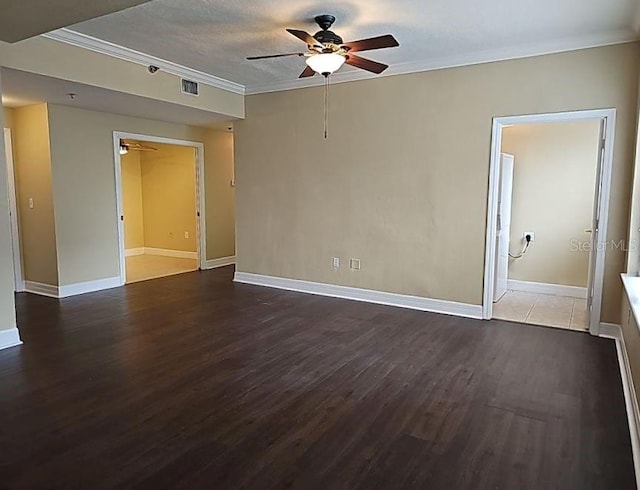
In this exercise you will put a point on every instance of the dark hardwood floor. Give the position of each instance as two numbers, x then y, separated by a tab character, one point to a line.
193	382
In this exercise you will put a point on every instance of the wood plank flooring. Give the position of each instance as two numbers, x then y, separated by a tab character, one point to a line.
193	382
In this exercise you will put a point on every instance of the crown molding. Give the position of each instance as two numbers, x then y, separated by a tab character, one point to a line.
110	49
459	60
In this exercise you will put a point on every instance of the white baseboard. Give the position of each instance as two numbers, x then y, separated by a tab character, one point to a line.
366	295
221	262
72	289
179	254
41	289
89	287
9	338
544	288
614	332
130	252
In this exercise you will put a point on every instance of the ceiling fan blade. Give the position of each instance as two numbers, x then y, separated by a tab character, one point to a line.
136	146
141	148
305	37
273	56
387	41
308	72
365	64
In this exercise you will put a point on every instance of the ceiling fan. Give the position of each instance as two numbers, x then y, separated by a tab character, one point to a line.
127	146
327	52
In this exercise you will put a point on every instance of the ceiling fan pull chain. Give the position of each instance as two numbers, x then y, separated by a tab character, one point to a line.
326	107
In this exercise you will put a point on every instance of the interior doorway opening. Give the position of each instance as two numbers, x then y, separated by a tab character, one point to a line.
547	218
160	206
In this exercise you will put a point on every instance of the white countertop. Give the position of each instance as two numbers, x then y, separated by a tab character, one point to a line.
632	287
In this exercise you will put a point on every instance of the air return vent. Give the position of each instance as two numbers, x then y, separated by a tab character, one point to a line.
189	87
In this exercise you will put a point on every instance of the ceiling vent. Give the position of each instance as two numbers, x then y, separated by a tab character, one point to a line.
189	87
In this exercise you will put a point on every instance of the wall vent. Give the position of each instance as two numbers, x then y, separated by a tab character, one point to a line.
189	87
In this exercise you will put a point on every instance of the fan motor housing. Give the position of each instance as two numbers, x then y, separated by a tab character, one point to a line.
327	37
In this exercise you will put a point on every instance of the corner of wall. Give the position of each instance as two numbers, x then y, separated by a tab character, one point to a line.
220	194
34	185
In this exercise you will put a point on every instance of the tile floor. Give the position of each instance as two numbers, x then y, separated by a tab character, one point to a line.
145	267
542	309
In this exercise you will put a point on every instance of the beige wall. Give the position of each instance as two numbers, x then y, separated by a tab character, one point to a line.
402	181
169	197
8	117
553	190
220	204
633	257
84	186
132	200
7	302
32	158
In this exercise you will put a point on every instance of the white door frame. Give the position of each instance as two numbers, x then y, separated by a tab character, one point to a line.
200	201
13	213
492	201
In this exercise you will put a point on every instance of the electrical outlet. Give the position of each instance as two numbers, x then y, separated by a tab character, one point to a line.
354	264
31	206
336	262
186	234
531	233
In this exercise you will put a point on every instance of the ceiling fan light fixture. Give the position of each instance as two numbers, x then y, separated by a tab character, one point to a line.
325	63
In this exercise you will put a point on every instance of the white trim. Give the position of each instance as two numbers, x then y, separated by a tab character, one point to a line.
164	252
71	289
366	295
201	222
88	287
41	289
614	332
221	262
546	288
201	230
96	45
131	252
16	247
492	222
9	338
492	201
507	52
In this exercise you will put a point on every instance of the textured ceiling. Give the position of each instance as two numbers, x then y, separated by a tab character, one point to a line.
20	88
215	36
21	19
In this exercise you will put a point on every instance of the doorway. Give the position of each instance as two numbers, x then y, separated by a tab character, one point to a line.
160	206
13	213
547	218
